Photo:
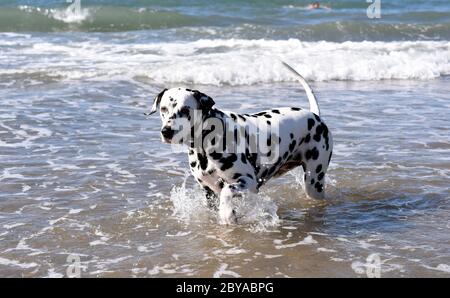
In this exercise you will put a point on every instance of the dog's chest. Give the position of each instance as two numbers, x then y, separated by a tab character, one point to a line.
205	171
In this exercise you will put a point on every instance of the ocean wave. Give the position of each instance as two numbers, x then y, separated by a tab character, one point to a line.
335	26
67	15
92	19
225	61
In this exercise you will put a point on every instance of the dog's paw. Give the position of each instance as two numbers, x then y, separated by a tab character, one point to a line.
227	217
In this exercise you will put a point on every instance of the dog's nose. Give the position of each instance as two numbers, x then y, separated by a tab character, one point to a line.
167	132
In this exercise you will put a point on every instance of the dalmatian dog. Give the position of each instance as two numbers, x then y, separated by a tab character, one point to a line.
300	138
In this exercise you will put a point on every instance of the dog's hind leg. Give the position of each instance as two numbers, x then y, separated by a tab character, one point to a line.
314	177
211	198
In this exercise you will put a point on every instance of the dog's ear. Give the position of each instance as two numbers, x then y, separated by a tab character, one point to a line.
205	102
156	102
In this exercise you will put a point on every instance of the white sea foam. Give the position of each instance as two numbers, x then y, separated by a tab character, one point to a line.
237	61
307	241
223	271
53	274
170	269
70	14
246	62
441	267
15	263
258	211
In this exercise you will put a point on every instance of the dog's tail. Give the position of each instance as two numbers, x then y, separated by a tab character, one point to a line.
313	106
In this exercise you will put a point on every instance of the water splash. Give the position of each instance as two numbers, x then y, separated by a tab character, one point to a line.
189	203
256	211
71	14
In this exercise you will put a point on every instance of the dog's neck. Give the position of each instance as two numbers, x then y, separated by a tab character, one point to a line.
212	113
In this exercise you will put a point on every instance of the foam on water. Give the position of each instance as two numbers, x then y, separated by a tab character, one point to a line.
229	61
66	15
8	262
257	211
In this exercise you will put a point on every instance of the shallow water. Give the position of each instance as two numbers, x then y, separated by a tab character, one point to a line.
83	172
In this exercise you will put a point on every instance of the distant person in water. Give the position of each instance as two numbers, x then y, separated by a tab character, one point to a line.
316	5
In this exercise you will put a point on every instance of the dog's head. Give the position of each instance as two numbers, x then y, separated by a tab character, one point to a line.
177	107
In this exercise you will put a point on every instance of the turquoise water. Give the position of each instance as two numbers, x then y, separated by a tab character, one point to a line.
346	20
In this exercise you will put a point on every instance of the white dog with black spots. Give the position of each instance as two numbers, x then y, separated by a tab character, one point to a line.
295	137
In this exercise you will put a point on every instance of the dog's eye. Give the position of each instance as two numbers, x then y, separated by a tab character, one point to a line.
184	111
163	110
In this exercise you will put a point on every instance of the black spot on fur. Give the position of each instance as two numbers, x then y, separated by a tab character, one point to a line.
203	161
329	158
272	170
275	111
216	155
313	153
264	174
193	164
307	138
292	145
237	175
291	135
325	136
317	118
227	162
308	154
319	168
320	177
311	123
243	159
319	131
278	161
242	118
318	186
312	181
268	116
296	109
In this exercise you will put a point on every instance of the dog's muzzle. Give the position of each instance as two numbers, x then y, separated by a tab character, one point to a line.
167	133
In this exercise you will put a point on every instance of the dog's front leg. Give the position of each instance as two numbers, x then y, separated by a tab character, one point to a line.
227	214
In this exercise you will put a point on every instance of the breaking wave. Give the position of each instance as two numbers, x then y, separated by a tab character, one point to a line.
221	61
